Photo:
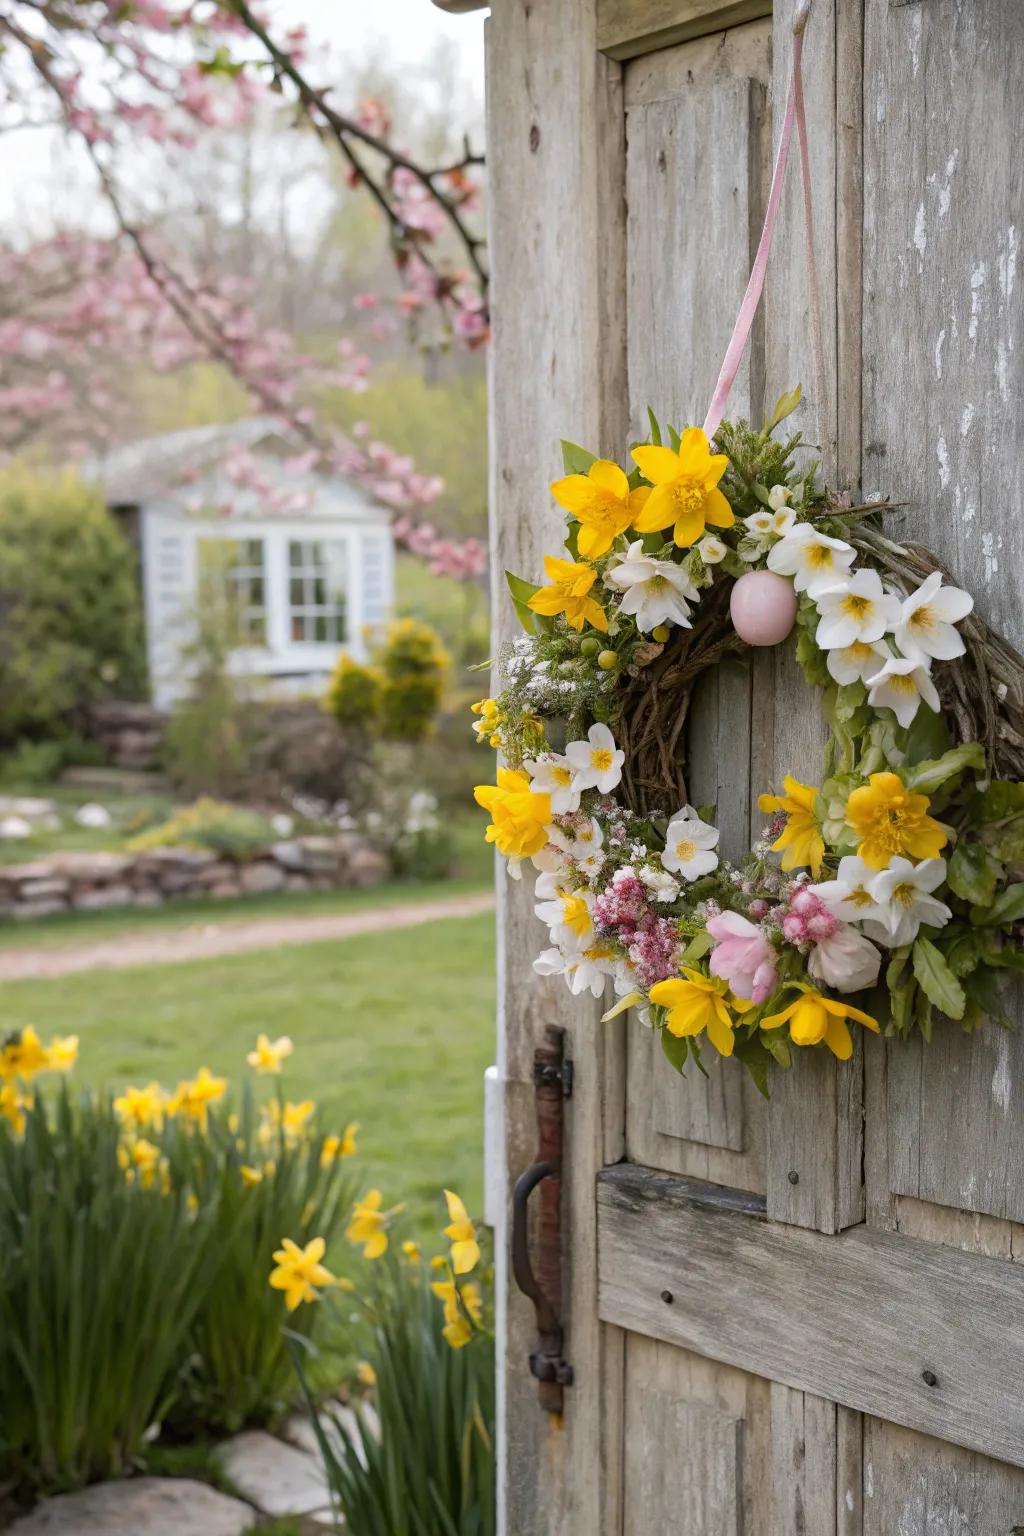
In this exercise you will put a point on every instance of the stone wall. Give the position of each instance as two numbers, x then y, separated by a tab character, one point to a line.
93	882
132	734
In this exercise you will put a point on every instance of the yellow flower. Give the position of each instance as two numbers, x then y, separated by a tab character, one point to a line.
62	1053
439	1261
602	504
13	1104
192	1099
412	1251
814	1018
339	1146
569	593
343	1283
801	842
365	1373
142	1162
461	1231
457	1328
295	1119
696	1004
889	819
520	815
369	1224
268	1055
299	1270
685	491
23	1056
250	1176
488	727
140	1108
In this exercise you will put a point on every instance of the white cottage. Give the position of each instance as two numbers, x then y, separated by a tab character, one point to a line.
308	558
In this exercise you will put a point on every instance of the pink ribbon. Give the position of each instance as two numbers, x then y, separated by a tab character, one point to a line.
755	285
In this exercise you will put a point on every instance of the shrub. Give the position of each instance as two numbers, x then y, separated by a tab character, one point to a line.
207	742
412	663
429	1449
70	611
133	1235
228	830
354	695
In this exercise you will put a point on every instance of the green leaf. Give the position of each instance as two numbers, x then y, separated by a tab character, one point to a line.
901	1001
757	1058
934	773
674	439
973	874
984	989
1001	799
655	428
777	1046
697	947
960	945
1007	908
937	981
812	660
926	737
784	406
521	592
577	460
676	1049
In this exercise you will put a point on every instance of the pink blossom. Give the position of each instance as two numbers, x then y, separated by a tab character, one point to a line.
845	960
742	956
654	951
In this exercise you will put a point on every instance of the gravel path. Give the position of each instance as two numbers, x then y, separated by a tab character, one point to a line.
207	940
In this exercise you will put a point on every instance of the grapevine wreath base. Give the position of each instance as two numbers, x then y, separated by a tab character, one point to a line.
899	895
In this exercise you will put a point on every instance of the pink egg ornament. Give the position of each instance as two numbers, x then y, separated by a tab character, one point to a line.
763	608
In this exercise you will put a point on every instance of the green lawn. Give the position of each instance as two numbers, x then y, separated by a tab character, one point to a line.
394	1032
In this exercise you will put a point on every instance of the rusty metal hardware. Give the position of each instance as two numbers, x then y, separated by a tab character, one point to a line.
552	1076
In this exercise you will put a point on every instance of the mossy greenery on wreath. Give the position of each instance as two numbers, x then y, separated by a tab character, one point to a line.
898	898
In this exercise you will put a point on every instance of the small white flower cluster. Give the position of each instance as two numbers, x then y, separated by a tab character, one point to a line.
872	635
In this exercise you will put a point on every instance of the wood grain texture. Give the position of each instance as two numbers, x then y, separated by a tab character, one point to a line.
556	209
917	1486
943	402
855	1318
628	28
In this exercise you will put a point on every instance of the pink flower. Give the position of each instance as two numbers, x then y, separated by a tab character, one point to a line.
742	956
845	960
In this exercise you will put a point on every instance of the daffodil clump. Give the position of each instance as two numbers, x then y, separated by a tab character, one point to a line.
898	876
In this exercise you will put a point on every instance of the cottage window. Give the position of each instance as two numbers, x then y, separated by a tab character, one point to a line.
317	577
236	568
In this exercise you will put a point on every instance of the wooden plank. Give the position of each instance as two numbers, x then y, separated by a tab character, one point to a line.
628	28
917	1486
707	1110
944	393
803	1462
910	1331
556	210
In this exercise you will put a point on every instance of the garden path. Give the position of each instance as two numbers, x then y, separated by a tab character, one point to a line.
209	939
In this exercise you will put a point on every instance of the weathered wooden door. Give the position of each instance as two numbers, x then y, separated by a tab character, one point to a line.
806	1316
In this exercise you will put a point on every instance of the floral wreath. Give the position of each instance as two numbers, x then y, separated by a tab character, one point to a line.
902	874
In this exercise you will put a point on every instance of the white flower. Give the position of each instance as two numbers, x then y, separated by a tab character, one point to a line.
283	824
849	896
550	962
568	918
904	893
552	775
596	762
900	686
591	971
925	625
814	561
783	521
760	522
778	497
688	845
857	662
711	550
845	960
656	591
660	883
857	609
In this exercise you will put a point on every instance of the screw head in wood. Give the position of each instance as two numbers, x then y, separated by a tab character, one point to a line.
929	1378
667	1298
793	1176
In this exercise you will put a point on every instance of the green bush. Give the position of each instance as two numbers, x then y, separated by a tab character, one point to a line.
207	745
70	611
413	664
227	830
133	1242
354	695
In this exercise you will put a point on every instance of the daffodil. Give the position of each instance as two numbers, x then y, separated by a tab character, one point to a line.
295	1120
269	1054
299	1271
142	1162
369	1224
696	1003
335	1147
411	1251
519	814
801	843
889	819
602	503
13	1104
462	1234
569	593
686	495
192	1099
250	1176
62	1053
140	1109
23	1056
813	1018
458	1329
488	727
365	1374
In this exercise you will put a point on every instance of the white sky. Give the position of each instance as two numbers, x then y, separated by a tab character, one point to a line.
35	168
